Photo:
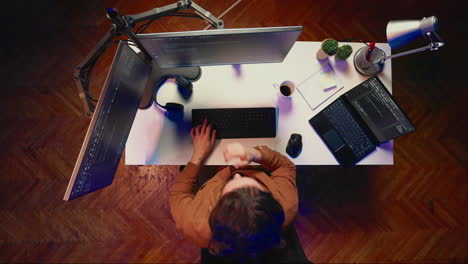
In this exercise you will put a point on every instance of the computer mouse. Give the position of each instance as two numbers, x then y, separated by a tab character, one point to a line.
294	147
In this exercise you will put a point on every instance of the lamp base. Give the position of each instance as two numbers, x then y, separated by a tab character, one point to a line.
371	67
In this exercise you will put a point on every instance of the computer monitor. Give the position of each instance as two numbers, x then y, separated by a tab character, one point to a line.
110	125
220	46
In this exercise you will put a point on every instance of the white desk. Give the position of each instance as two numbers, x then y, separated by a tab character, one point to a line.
156	140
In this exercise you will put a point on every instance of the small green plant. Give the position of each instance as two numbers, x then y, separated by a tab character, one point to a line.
344	52
330	46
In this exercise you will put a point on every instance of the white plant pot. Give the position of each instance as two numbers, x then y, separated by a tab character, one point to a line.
321	55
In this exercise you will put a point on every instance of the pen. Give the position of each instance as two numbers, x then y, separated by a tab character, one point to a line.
369	51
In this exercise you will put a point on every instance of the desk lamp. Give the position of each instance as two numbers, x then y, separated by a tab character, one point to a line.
370	61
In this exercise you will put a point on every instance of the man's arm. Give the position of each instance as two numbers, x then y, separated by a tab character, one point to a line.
272	160
182	191
283	173
283	170
203	138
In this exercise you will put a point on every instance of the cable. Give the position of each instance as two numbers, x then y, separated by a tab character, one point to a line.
144	26
85	74
185	14
156	85
351	40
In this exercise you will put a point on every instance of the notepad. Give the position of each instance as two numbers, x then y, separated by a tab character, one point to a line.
327	78
320	86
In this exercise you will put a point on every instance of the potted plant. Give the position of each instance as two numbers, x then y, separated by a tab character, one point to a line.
328	48
344	52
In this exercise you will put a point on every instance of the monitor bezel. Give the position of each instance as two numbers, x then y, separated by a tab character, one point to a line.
95	116
218	32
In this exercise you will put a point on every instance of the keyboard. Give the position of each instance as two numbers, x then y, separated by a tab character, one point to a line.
353	135
258	122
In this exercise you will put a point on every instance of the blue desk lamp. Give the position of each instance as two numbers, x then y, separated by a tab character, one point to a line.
399	32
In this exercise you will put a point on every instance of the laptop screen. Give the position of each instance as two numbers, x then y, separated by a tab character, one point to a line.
379	111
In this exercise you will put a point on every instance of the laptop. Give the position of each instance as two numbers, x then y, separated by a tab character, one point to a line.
358	121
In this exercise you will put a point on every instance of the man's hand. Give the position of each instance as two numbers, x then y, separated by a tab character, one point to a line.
203	137
243	154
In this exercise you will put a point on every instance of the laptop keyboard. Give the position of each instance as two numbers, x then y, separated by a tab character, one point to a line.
348	128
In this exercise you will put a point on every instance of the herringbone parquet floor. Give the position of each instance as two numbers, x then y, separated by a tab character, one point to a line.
412	212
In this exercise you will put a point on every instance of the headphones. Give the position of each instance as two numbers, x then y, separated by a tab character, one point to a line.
182	82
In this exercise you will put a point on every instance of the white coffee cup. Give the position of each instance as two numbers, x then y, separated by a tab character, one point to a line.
287	88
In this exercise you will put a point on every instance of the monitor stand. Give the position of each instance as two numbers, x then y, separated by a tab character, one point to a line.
123	25
191	73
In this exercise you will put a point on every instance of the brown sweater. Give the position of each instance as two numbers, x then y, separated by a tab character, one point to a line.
191	212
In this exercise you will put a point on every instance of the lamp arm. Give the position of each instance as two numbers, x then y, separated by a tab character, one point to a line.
432	46
408	52
436	45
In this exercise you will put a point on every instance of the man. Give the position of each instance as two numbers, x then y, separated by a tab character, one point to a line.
241	210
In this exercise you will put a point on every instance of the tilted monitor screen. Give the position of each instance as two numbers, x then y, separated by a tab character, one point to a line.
220	46
110	125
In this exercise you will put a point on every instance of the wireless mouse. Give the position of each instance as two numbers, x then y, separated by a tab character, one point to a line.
294	147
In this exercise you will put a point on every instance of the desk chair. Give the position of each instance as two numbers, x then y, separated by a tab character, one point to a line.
292	253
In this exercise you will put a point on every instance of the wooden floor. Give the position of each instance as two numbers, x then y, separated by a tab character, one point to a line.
412	212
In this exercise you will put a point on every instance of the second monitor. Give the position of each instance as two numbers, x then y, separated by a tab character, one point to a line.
220	46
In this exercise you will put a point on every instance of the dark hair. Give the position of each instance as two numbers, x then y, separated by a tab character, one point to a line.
245	223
